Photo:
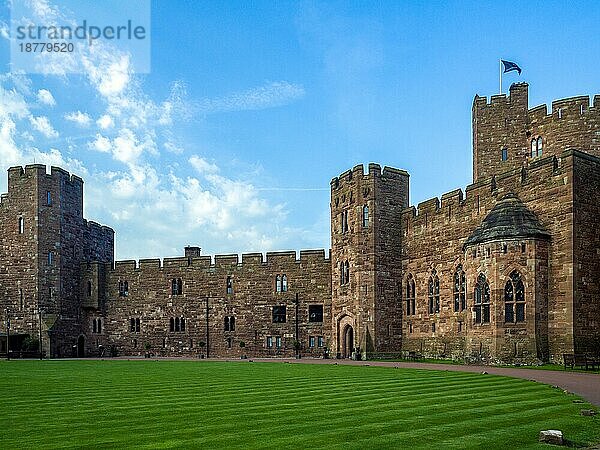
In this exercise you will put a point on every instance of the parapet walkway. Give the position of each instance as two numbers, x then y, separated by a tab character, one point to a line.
587	385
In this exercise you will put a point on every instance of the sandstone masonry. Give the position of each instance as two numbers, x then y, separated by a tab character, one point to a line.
508	271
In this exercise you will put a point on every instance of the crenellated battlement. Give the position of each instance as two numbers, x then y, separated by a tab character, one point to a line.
97	227
454	206
518	96
17	173
504	129
374	171
225	261
565	109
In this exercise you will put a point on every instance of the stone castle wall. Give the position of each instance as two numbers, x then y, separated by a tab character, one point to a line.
507	122
42	259
254	294
377	242
586	248
434	238
364	305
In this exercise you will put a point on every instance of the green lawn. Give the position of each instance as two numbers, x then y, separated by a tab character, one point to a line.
240	404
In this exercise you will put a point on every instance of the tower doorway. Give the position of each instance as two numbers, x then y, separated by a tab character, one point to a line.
81	347
348	342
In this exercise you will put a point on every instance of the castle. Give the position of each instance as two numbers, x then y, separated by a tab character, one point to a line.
508	271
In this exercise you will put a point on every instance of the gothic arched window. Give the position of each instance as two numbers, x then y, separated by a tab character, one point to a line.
537	147
434	293
514	299
278	283
460	289
482	300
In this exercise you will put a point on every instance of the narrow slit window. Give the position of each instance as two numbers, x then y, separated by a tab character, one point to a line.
229	285
21	225
410	296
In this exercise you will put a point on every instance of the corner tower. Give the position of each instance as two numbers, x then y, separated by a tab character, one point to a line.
44	241
365	257
507	135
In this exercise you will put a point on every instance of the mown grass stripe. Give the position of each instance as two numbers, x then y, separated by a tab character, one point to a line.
181	404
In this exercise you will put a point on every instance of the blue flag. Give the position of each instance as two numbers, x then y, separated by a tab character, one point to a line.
510	66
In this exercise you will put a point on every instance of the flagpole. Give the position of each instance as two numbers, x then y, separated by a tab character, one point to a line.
500	61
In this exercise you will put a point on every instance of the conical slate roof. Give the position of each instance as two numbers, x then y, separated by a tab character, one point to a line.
510	218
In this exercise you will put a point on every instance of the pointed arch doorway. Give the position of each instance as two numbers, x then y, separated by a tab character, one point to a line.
347	341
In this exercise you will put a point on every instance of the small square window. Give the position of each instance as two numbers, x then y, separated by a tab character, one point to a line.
279	314
315	313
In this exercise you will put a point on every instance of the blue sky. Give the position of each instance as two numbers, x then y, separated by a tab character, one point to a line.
250	108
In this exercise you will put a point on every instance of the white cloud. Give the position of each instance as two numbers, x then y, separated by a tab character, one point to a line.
202	165
45	97
4	30
109	73
271	95
173	148
105	122
157	202
12	104
101	144
43	125
80	118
